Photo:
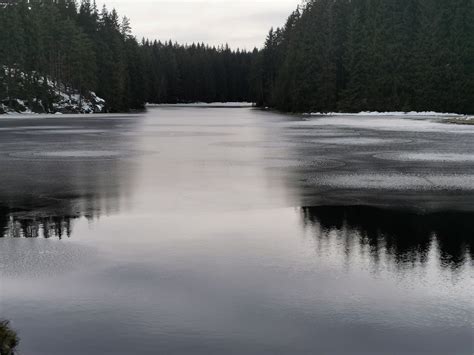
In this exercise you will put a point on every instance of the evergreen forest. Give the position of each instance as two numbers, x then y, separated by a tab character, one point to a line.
331	55
371	55
79	49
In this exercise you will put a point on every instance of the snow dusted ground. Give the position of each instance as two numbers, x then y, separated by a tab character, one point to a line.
64	99
65	104
75	104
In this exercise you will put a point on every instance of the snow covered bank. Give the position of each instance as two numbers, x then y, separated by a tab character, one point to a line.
76	104
40	95
61	103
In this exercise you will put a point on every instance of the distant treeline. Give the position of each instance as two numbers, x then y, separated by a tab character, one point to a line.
84	50
385	55
332	55
176	73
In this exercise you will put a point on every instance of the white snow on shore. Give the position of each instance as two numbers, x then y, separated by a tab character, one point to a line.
65	99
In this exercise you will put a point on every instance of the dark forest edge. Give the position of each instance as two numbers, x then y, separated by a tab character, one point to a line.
331	56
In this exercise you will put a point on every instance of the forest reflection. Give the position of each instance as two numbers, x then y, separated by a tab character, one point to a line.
48	212
13	225
402	237
64	169
45	207
57	227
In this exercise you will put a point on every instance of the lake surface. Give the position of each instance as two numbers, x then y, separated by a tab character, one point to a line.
193	230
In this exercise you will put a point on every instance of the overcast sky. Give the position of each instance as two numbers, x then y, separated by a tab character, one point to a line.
241	23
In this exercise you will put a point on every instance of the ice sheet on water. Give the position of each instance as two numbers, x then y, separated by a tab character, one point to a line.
386	124
360	141
391	113
68	154
28	128
427	157
399	181
67	131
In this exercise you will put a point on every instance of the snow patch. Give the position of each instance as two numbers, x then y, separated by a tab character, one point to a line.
61	98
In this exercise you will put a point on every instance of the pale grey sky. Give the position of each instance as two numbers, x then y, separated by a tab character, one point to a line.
241	23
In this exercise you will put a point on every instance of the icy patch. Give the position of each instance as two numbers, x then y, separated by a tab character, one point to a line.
428	157
310	134
390	113
317	163
156	132
360	141
80	154
68	154
28	128
67	131
387	124
399	182
257	144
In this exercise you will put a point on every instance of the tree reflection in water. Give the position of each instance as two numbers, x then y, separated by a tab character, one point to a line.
403	237
28	225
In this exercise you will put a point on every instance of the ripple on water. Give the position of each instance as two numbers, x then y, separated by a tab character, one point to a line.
360	141
65	131
398	181
28	128
316	163
31	258
427	157
69	154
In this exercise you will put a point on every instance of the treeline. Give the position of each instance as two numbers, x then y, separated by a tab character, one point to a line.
176	73
384	55
82	50
332	55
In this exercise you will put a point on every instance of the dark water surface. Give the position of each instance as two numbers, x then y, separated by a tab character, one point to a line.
190	230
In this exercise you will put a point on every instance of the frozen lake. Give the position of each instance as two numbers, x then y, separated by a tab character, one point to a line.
200	230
